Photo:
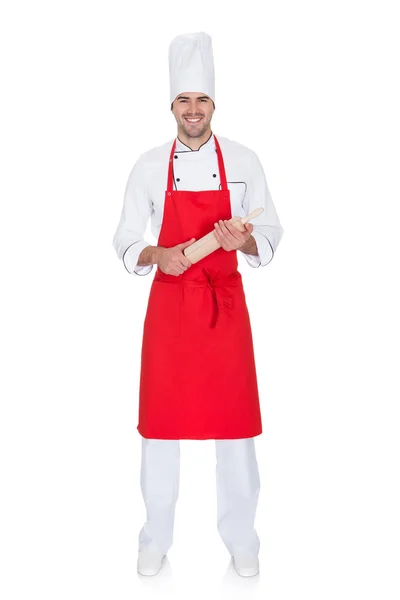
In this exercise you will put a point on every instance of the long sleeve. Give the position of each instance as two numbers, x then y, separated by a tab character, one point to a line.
128	239
267	230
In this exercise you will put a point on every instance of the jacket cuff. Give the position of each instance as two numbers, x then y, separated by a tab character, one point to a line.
131	256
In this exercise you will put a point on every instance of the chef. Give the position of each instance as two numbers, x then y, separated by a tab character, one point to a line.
198	377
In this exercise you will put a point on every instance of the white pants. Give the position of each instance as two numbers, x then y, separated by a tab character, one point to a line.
237	486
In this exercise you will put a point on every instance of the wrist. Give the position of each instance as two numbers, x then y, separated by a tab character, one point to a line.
156	254
245	246
249	247
150	255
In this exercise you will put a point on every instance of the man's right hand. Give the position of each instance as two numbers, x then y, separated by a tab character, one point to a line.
172	260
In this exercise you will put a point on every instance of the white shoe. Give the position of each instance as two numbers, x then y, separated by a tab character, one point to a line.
149	562
246	565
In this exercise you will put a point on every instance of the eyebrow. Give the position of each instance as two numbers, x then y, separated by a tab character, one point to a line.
187	97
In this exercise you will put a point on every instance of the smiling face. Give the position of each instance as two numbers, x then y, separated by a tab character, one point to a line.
193	112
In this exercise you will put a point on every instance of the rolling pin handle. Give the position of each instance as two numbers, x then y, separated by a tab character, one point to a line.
252	215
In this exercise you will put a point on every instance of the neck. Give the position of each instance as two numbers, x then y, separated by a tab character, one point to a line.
194	142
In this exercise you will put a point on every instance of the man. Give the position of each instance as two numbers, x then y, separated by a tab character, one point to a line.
198	377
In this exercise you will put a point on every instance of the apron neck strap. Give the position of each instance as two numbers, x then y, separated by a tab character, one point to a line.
221	166
171	158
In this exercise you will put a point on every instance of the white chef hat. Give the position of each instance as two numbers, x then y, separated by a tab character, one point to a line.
191	65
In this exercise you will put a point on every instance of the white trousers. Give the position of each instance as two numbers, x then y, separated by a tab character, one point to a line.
237	487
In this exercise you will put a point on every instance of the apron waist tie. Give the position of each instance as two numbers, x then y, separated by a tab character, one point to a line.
226	301
219	287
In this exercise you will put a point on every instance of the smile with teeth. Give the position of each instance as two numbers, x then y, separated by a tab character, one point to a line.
193	120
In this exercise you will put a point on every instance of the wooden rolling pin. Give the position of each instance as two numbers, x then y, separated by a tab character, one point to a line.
208	243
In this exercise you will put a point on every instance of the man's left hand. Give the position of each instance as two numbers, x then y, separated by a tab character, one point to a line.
229	237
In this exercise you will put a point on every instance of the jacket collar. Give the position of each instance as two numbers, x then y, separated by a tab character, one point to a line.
206	147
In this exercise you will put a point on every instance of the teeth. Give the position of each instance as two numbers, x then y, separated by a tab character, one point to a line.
193	120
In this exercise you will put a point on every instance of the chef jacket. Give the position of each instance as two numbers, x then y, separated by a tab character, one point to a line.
195	170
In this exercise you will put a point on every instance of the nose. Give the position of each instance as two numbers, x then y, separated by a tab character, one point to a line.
192	111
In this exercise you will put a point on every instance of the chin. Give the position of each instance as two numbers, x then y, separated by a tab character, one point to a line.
194	134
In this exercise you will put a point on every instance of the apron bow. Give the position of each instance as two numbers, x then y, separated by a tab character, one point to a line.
222	300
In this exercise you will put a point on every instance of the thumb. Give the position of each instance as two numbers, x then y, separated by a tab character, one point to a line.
185	244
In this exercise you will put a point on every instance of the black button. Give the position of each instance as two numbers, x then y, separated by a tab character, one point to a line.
178	179
175	156
214	175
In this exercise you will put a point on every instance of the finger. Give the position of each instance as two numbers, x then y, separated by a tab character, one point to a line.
228	242
177	271
184	262
177	267
234	237
235	232
224	232
221	239
219	234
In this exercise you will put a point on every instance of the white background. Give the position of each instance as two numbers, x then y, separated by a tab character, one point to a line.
313	88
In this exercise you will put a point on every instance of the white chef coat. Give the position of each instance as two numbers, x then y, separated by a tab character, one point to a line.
195	170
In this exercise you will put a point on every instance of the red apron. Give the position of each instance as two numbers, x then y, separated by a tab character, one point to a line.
198	377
